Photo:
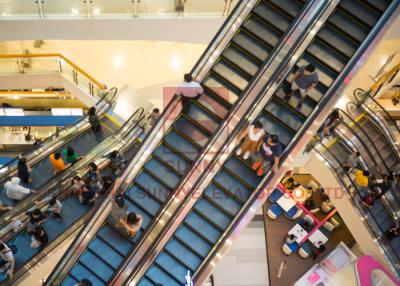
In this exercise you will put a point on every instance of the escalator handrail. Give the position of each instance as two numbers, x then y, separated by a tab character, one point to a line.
5	176
233	133
130	140
76	248
363	103
325	99
28	202
361	141
356	203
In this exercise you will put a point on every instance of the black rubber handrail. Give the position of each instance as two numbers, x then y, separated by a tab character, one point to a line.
356	93
5	176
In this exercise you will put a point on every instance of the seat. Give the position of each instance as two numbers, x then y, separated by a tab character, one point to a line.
289	248
326	207
274	211
275	195
294	213
305	250
313	185
335	221
308	219
328	226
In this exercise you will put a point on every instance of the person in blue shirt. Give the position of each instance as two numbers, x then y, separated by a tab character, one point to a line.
304	80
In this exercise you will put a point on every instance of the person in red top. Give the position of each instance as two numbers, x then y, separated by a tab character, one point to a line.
58	163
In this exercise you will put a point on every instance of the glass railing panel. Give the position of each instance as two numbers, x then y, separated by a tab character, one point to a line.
9	66
158	8
83	83
106	8
63	8
206	7
40	65
18	8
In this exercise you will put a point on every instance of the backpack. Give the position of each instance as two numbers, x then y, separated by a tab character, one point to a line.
13	248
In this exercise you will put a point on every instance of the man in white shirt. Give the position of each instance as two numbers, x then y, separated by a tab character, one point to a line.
15	191
189	89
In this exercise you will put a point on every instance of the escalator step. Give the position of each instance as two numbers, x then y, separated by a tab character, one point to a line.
214	104
243	171
239	58
252	46
162	173
150	185
272	16
80	272
146	282
91	261
105	252
235	77
273	127
212	213
290	7
379	4
232	185
69	281
361	12
293	120
202	226
329	56
348	26
115	239
183	253
337	40
182	145
143	200
172	266
221	198
221	89
192	131
159	276
263	32
186	235
173	159
204	119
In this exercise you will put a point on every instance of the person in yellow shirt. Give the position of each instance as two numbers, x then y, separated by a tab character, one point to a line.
362	181
57	162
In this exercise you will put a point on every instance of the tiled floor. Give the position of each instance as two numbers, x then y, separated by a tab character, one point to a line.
245	264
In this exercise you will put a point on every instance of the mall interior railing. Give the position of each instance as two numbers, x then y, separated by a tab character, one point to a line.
50	9
51	63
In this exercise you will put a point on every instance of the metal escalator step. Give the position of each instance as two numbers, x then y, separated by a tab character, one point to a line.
182	145
235	77
220	88
159	276
221	198
162	173
242	171
114	238
290	7
273	16
337	40
151	186
193	132
348	26
381	5
212	213
217	105
240	59
91	261
69	281
172	158
232	185
362	12
146	282
293	120
203	118
145	201
251	45
262	31
172	266
183	253
105	252
273	127
185	234
202	226
328	55
80	272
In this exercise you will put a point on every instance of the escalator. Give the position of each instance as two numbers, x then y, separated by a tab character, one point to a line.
74	213
378	217
149	191
212	218
80	137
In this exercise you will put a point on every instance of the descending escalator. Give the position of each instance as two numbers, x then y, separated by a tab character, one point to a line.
378	217
240	61
74	213
195	239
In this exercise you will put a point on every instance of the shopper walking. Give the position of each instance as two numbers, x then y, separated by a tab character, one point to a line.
189	90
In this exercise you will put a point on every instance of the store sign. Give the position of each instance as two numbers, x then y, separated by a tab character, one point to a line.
12	112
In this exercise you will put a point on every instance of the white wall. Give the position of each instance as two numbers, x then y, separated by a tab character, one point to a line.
189	30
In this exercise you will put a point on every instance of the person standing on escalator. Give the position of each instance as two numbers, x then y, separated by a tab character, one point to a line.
189	90
269	155
58	163
94	120
304	80
24	171
252	140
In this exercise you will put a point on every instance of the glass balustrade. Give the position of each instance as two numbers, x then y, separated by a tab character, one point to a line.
56	9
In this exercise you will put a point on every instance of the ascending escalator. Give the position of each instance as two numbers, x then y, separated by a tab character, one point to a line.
197	239
80	137
74	213
239	63
379	217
